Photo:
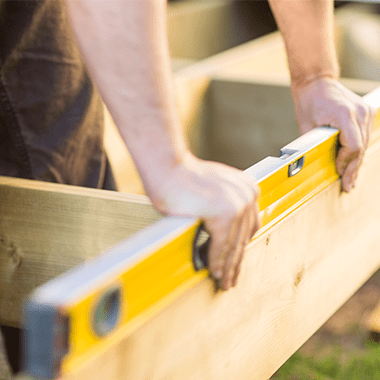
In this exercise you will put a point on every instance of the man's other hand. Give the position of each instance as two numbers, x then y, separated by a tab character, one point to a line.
325	101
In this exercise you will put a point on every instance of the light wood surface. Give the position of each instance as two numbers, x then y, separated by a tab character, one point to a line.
294	277
46	229
360	40
198	29
208	26
374	320
249	122
193	90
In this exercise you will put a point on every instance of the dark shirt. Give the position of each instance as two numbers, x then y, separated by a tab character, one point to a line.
51	117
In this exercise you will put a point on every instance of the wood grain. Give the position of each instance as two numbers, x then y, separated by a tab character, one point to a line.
46	229
294	277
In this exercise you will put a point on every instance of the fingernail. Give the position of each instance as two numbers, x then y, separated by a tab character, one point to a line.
347	188
218	273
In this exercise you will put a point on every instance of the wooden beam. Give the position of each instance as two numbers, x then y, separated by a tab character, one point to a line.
198	29
249	119
46	229
294	277
373	324
71	237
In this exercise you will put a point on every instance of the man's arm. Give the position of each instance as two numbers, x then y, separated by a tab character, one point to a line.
124	44
308	30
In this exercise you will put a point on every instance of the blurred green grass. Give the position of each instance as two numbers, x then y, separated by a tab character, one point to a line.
338	364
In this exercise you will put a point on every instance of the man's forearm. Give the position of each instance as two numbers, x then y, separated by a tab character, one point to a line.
124	44
308	30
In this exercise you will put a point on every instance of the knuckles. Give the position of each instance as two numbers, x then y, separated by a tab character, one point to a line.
363	112
357	150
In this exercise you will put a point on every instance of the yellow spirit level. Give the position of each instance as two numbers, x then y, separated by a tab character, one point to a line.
77	316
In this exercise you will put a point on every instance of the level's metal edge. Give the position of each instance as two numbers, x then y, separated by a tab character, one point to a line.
301	146
80	280
41	359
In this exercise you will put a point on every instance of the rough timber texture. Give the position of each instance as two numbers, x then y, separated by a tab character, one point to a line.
46	229
293	278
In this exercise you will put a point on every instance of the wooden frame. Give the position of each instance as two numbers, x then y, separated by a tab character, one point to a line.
293	278
46	229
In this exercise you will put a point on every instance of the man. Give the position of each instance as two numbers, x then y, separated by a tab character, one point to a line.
51	123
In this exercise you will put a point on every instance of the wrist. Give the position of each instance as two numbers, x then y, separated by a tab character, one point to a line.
157	168
299	88
302	79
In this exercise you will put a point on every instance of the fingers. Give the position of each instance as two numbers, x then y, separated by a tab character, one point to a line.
254	226
350	154
325	101
233	257
226	251
371	118
220	244
354	138
348	164
350	174
225	199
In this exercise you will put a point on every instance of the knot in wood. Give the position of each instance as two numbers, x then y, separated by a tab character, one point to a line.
298	278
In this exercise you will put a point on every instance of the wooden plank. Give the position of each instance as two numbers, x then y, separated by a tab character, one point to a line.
39	250
202	21
360	44
374	323
294	277
46	229
248	121
198	29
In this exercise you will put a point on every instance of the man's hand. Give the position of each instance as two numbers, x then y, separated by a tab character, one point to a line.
225	198
325	101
